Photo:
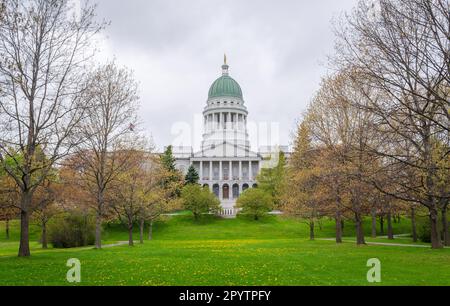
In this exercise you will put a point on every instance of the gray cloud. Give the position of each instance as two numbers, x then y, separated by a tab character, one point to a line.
276	51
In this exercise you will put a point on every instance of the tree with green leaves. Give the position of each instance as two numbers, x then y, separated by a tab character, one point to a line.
192	176
255	202
271	180
199	200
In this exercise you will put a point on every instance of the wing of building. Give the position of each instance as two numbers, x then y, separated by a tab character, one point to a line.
226	164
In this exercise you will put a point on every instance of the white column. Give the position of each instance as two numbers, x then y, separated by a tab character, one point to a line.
231	170
220	171
250	170
230	123
210	170
201	171
240	170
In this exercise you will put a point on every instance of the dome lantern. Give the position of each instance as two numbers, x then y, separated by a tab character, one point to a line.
225	66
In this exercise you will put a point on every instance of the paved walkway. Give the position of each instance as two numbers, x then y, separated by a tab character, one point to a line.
120	243
383	243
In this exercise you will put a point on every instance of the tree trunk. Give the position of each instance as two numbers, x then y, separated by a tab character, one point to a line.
445	227
24	248
150	231
436	242
359	230
98	231
7	229
130	234
141	231
311	230
374	223
413	224
44	236
390	229
382	225
339	223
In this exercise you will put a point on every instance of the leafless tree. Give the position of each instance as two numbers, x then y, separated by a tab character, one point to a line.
346	132
44	51
107	129
401	50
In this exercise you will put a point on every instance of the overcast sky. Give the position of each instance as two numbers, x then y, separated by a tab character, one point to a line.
276	50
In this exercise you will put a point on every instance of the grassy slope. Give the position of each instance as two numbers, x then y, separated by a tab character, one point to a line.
274	251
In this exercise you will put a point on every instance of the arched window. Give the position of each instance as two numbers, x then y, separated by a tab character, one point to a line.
245	187
206	186
255	185
235	191
226	192
216	190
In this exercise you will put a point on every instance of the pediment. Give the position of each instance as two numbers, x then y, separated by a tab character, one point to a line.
226	150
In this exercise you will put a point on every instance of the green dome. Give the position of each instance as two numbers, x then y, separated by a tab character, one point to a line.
225	86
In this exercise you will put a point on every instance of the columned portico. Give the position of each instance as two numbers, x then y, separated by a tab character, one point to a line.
229	184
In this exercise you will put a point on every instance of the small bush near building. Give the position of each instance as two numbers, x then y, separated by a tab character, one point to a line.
255	202
199	200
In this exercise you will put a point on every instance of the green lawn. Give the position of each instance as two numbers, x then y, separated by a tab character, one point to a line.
275	251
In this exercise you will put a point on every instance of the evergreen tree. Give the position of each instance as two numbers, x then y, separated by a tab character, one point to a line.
192	176
168	160
173	182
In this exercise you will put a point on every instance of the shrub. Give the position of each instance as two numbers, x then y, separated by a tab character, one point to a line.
72	230
255	202
199	200
424	230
